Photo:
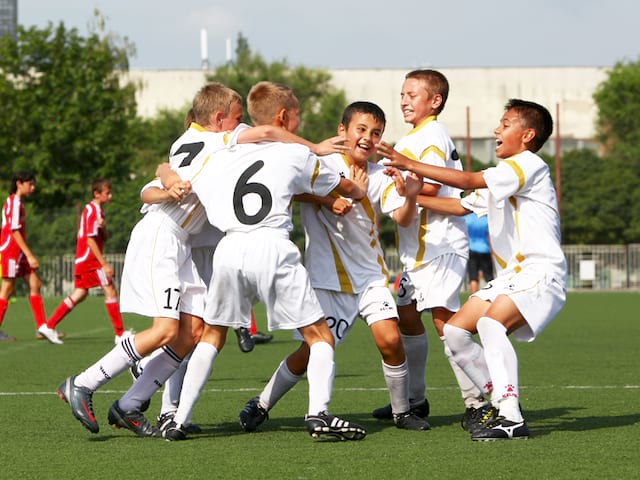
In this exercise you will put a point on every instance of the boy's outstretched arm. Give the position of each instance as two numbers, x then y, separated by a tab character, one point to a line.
448	176
270	133
445	205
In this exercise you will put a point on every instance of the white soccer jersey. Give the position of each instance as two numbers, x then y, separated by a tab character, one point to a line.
431	234
343	253
250	186
524	224
192	146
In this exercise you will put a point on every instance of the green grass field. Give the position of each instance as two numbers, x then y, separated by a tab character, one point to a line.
580	394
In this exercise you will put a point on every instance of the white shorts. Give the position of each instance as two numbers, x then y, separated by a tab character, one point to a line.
159	278
263	265
342	309
203	260
538	295
434	284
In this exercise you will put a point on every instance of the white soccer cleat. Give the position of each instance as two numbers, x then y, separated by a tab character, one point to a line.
50	334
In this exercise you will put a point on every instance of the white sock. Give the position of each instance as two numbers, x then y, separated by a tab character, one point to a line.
397	380
320	374
198	371
503	366
280	383
121	357
155	373
173	387
416	349
469	356
471	395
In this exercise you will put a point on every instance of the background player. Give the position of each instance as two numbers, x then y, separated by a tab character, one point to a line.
17	258
91	267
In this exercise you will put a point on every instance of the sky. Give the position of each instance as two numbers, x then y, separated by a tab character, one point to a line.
369	34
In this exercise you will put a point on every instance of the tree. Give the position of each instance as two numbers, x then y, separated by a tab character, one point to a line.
321	105
65	117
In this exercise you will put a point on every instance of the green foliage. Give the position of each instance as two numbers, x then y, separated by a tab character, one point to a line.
321	105
67	118
65	115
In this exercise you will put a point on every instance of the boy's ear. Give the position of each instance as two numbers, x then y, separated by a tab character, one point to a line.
341	129
216	118
282	117
436	101
528	135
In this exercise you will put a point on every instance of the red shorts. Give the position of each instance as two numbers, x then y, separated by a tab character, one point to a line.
14	266
92	278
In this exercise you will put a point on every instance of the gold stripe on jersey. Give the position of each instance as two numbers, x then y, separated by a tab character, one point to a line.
518	171
316	172
191	214
434	149
197	126
499	260
343	278
514	203
385	193
197	174
422	124
422	232
408	153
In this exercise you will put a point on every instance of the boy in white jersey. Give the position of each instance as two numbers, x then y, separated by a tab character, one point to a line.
247	193
356	282
529	289
434	249
159	279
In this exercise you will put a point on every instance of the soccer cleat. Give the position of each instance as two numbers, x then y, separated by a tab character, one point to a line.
245	342
260	337
501	429
174	432
472	416
483	418
419	410
39	336
132	420
410	421
166	418
50	334
324	425
252	415
4	337
80	399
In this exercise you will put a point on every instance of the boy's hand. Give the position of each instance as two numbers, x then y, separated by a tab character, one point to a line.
33	262
108	270
394	158
413	185
341	206
330	145
360	177
179	190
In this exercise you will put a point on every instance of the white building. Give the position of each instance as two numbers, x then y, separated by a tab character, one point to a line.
476	98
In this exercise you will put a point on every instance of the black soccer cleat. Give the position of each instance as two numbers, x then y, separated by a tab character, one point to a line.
245	342
132	420
325	426
419	409
252	415
410	421
501	429
174	432
80	399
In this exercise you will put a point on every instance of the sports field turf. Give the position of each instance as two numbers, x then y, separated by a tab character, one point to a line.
580	394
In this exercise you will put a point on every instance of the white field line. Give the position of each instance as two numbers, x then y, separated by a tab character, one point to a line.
358	389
